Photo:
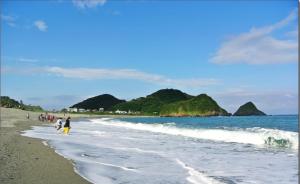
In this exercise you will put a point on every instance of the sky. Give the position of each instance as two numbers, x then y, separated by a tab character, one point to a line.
57	53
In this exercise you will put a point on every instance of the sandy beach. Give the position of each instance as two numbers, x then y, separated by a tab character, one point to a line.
27	160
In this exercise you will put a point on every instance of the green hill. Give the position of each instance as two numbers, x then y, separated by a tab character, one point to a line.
201	105
248	109
153	103
164	102
105	101
7	102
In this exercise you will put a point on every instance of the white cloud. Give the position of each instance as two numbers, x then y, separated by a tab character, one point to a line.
293	33
113	74
41	25
17	71
258	46
93	74
88	3
27	60
10	20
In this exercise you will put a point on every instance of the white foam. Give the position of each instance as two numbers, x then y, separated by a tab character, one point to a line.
107	152
45	143
254	136
135	150
195	176
110	165
117	166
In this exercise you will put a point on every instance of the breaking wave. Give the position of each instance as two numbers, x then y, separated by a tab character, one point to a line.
255	136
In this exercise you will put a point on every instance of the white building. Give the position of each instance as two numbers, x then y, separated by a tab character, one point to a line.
81	110
120	112
73	109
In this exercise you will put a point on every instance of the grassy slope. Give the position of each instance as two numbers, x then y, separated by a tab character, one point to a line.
154	102
201	105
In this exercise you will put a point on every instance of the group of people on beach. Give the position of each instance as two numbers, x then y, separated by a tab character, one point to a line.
59	122
67	127
47	117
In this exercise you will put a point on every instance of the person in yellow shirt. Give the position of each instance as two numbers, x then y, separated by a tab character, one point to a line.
67	125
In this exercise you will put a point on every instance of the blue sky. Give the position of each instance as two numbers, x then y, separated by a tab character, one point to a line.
56	53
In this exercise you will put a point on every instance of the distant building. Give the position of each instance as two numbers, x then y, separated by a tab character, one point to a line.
73	109
120	112
101	109
82	110
133	112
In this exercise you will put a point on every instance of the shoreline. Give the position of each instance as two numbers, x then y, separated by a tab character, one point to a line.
29	160
108	151
34	160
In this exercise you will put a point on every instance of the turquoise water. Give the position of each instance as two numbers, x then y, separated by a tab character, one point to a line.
189	150
280	122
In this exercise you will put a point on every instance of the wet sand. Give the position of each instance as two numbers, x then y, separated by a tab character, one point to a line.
27	160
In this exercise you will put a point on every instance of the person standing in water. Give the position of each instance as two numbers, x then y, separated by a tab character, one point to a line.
58	124
67	126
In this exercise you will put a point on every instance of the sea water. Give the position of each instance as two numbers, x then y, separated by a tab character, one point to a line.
254	149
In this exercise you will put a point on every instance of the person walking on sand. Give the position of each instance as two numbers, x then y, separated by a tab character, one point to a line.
67	126
27	115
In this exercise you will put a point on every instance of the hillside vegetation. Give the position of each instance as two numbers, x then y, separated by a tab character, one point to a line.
7	102
105	101
201	105
248	109
165	102
153	103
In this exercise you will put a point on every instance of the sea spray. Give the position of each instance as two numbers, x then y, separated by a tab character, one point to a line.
255	136
106	153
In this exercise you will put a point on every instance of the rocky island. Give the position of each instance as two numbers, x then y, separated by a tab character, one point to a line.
248	109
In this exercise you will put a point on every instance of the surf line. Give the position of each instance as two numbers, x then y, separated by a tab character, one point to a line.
195	176
116	166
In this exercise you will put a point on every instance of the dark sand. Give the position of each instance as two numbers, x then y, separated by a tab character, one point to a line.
27	160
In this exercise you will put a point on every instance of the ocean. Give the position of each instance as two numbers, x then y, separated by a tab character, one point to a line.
197	150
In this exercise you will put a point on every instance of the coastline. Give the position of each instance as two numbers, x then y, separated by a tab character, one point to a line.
28	160
131	151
